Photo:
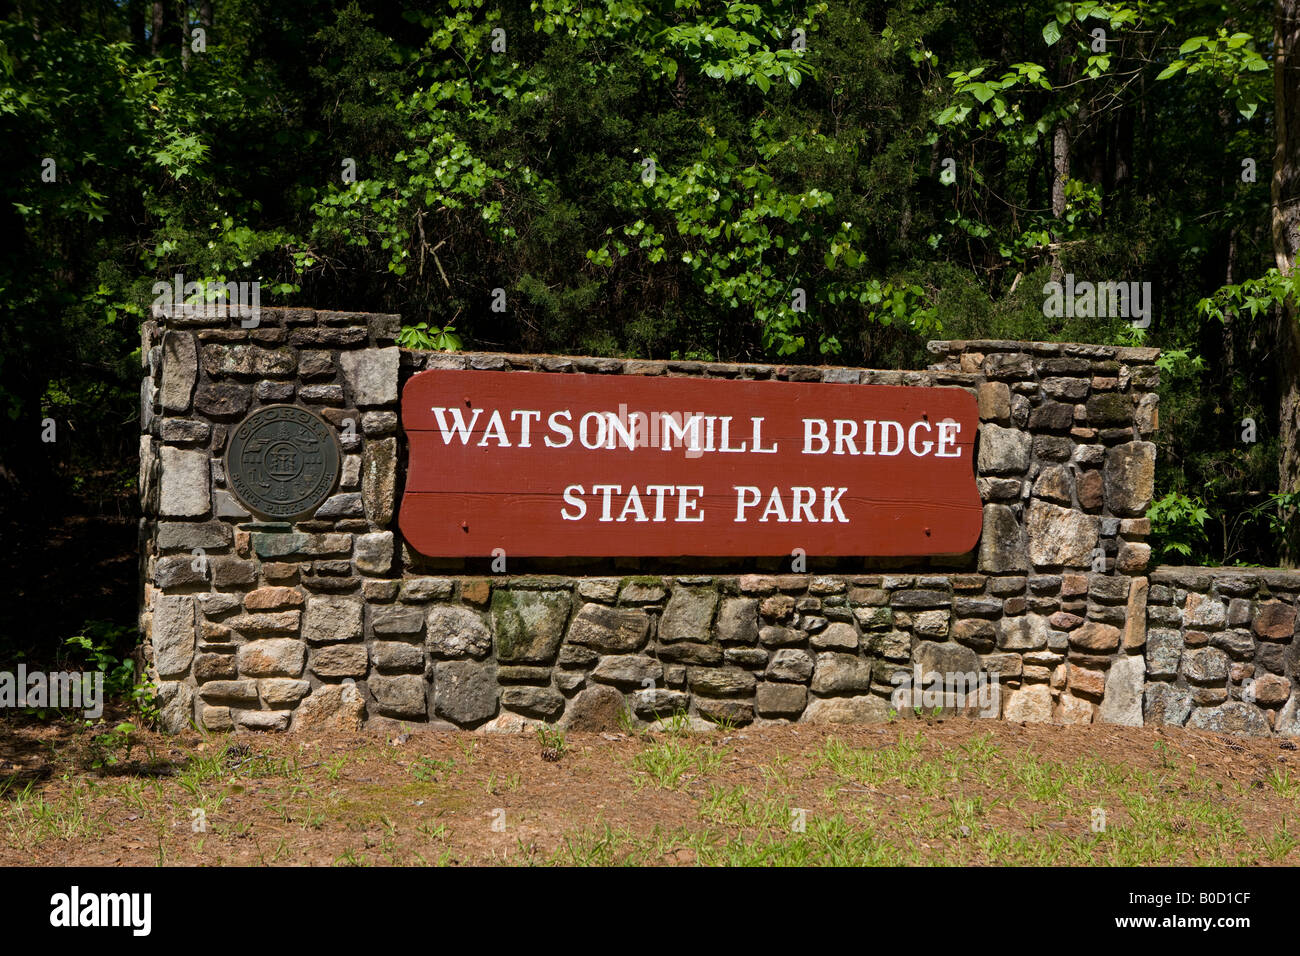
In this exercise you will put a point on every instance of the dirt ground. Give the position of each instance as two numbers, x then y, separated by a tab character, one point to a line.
910	792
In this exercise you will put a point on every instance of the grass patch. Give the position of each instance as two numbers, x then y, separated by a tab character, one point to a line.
671	762
916	795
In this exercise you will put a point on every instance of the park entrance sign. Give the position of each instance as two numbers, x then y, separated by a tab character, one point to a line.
340	533
545	464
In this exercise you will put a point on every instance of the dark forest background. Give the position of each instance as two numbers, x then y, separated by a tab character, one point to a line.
918	169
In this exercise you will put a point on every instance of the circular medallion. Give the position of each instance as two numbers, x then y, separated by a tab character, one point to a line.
282	462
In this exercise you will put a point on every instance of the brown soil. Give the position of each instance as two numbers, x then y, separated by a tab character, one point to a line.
381	799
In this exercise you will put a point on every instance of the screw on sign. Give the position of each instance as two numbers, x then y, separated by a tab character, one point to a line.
283	462
546	464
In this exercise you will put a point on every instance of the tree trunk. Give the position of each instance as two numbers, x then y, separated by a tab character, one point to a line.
136	20
1286	240
183	21
158	23
1060	168
1060	158
1121	163
1060	173
1229	182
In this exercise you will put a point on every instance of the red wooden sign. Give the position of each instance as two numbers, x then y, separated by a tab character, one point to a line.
551	464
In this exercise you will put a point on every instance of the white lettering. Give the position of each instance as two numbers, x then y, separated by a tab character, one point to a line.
687	503
584	433
608	490
742	494
497	425
803	502
869	437
672	425
658	491
845	431
565	430
726	437
948	432
814	428
775	506
633	504
758	439
619	427
570	498
832	504
526	424
459	426
884	438
911	439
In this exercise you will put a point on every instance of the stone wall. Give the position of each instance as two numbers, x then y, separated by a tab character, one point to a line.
1221	650
333	620
233	608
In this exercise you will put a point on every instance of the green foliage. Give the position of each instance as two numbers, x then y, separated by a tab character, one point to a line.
110	747
1177	363
1229	61
1258	296
96	646
753	245
429	770
552	742
892	160
100	647
1177	525
1113	15
1282	510
971	94
420	336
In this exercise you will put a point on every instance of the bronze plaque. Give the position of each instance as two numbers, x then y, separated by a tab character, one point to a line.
282	462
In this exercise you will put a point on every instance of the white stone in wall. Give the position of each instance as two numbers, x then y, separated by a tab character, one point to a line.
185	483
371	375
1123	701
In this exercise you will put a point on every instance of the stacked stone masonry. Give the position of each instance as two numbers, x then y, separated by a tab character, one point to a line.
334	622
1221	650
